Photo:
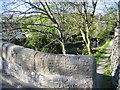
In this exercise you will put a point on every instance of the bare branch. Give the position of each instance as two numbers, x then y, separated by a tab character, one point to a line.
51	13
51	18
94	8
35	6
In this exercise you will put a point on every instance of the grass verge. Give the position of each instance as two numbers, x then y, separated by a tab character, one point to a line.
101	52
107	80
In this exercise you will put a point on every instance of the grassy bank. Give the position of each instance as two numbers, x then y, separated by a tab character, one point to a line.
101	52
107	79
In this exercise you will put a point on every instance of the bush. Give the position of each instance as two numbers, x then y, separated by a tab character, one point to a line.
44	43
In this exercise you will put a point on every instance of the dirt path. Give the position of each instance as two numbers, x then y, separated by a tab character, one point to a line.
101	66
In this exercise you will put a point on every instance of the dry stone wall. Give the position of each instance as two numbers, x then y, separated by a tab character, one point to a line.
116	59
47	70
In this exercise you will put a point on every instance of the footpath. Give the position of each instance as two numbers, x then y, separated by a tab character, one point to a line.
101	66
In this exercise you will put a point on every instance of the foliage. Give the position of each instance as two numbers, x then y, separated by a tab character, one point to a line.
56	24
110	22
43	43
104	34
41	38
108	70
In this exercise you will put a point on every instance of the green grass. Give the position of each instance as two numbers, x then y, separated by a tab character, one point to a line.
107	83
108	70
101	52
107	80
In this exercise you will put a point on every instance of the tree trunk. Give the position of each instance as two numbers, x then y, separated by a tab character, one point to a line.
63	46
61	40
89	48
88	40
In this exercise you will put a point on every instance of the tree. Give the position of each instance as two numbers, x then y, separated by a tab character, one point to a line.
59	17
69	20
47	11
87	19
44	9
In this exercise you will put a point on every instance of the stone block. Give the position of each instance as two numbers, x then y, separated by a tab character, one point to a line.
25	58
65	65
19	55
4	50
47	69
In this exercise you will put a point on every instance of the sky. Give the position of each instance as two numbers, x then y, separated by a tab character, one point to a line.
102	4
1	6
100	7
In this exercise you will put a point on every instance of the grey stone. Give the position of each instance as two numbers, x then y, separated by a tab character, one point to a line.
49	70
116	61
25	58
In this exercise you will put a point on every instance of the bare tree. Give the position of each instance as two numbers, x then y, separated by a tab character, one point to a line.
41	8
84	23
87	20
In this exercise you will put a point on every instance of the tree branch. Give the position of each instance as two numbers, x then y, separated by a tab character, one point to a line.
34	6
94	8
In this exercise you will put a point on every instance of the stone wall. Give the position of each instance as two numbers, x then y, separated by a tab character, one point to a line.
48	70
116	59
